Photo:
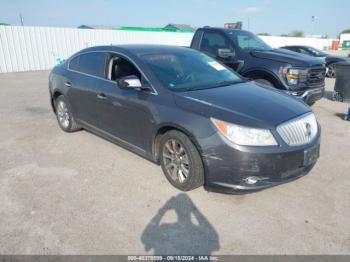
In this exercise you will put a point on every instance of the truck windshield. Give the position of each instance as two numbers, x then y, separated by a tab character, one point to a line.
315	52
247	41
186	70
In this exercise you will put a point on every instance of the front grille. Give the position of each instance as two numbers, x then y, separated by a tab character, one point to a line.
316	76
299	131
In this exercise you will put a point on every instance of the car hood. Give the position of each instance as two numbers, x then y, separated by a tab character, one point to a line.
246	104
336	59
286	56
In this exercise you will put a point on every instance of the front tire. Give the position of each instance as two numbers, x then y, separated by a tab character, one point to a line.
181	161
331	71
64	115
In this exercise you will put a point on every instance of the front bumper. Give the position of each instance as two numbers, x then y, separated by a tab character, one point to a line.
228	167
309	96
312	95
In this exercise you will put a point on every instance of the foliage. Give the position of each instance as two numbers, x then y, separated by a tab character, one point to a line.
297	34
346	31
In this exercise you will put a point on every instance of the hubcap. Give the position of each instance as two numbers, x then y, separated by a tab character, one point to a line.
62	113
176	161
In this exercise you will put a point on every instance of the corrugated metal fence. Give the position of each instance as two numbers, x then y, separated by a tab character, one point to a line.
37	48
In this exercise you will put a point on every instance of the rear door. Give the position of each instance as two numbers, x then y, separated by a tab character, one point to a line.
85	70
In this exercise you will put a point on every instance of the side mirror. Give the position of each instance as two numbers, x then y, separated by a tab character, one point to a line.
129	82
226	53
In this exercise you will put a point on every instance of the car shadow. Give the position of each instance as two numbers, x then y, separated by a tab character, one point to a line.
191	234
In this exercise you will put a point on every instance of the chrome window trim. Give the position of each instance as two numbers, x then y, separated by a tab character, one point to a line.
153	92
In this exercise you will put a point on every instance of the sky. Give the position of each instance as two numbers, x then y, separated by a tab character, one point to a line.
272	16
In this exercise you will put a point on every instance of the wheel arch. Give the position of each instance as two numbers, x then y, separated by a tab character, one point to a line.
162	129
263	74
54	96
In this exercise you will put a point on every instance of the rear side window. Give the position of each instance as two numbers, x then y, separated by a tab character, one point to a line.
90	63
74	63
197	39
211	42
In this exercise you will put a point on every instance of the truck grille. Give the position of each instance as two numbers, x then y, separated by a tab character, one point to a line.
316	76
299	131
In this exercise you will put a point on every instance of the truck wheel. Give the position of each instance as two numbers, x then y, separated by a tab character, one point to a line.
64	115
331	71
180	161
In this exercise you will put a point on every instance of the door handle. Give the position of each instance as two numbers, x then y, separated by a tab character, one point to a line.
102	96
68	84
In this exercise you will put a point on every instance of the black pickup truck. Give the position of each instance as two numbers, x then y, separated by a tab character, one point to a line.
299	75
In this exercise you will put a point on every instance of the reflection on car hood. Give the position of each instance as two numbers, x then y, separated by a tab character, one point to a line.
246	104
286	56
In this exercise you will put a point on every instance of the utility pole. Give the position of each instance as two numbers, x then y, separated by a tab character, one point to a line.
248	23
21	19
313	20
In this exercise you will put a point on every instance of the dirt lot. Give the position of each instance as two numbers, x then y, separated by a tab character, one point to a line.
79	194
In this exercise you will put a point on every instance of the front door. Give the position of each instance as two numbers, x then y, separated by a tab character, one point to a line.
125	113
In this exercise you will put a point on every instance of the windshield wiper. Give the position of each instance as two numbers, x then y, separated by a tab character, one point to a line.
225	83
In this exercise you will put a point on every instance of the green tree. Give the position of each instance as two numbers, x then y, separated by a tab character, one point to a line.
297	34
284	35
346	31
263	34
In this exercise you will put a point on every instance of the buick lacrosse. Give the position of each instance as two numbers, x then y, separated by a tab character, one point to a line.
203	123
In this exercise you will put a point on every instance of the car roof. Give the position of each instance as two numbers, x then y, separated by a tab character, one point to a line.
302	46
137	49
227	30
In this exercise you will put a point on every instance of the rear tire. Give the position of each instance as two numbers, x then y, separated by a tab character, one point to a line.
64	115
338	97
181	161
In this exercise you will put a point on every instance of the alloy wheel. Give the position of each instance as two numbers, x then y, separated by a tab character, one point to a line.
176	160
62	114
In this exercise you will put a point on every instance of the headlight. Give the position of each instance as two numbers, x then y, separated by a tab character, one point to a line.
245	136
294	76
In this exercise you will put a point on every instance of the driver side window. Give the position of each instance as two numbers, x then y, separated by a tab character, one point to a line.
212	42
120	67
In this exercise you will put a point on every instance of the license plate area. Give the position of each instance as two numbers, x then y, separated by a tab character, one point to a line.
311	155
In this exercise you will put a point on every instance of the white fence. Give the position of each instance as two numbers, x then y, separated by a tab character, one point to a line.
36	48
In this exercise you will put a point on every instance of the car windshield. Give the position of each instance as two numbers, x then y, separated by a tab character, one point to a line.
316	52
189	70
247	41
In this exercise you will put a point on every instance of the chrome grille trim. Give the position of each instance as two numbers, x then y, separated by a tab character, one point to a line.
299	131
316	75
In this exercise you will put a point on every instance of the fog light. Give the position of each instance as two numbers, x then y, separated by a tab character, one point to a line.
293	93
251	180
